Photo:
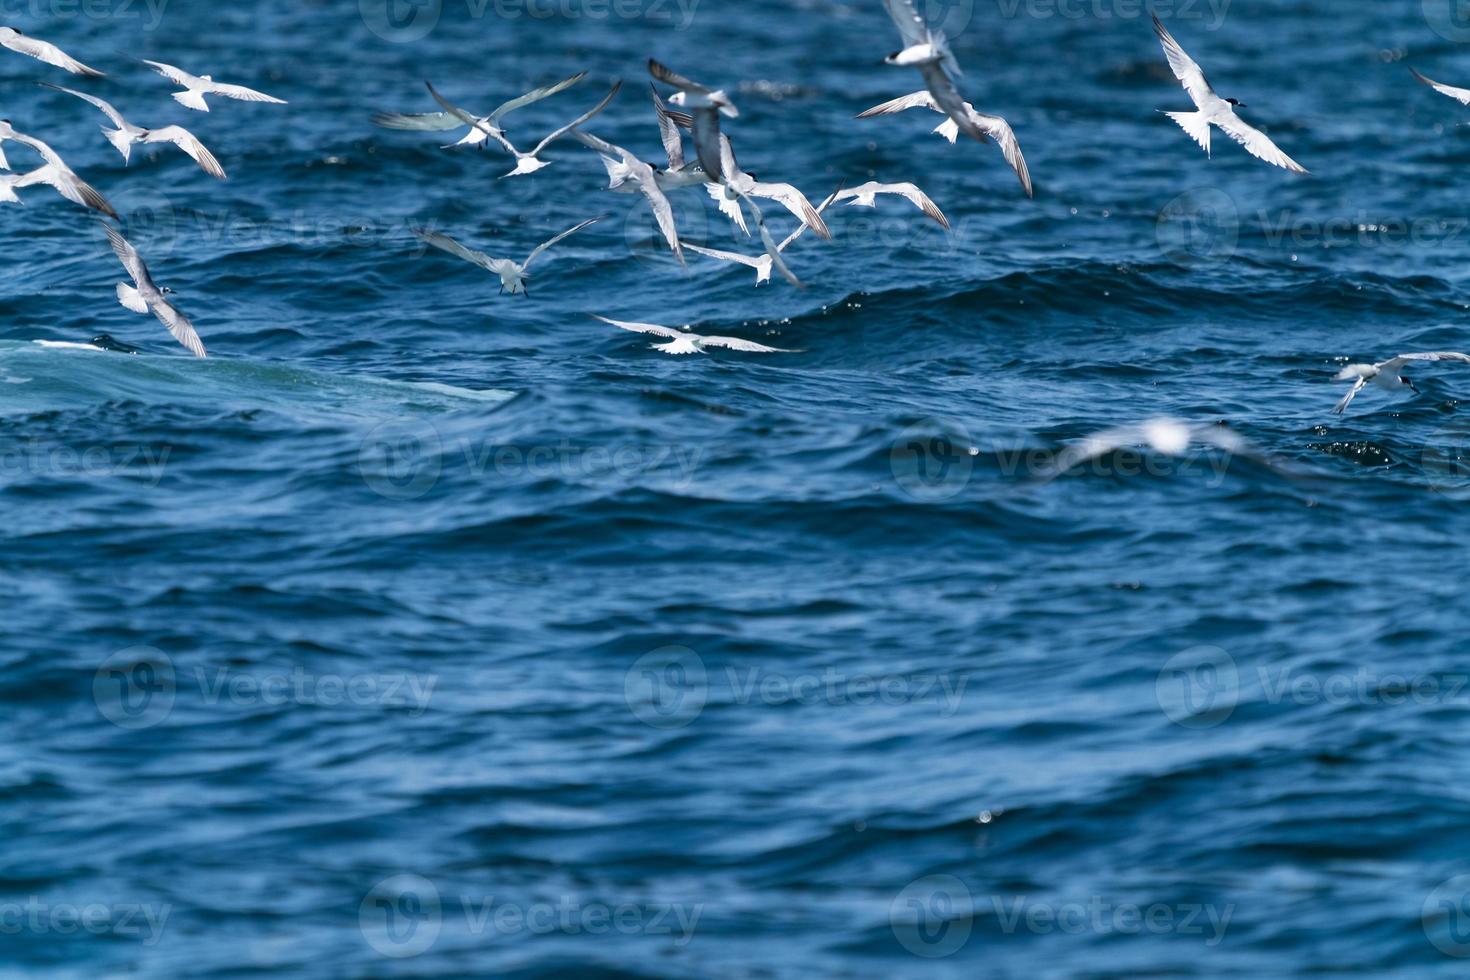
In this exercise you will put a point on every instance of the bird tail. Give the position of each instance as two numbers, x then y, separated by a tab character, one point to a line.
129	297
192	100
618	172
1353	371
1196	125
8	184
121	140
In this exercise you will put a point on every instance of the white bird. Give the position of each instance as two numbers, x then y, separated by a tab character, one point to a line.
763	263
1461	95
865	195
1388	374
684	342
526	163
787	195
982	128
7	132
681	172
1169	436
706	105
147	297
626	174
55	174
513	275
127	134
42	51
196	87
1213	109
440	122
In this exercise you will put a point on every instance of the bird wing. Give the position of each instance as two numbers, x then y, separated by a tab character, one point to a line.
418	122
918	198
131	260
1258	144
910	25
1348	398
668	131
545	245
709	145
729	207
1398	363
663	213
106	107
50	54
715	253
914	100
794	201
61	177
947	97
668	76
536	95
242	94
772	249
1462	95
179	325
1001	132
580	120
469	120
189	143
1190	74
173	74
453	247
735	343
801	228
652	328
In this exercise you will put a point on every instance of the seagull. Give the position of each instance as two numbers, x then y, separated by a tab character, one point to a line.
736	195
982	128
40	50
526	163
198	86
440	122
147	297
1213	109
680	173
763	263
7	132
706	106
865	196
684	342
1462	95
1163	435
747	186
1388	374
627	174
513	275
127	134
55	174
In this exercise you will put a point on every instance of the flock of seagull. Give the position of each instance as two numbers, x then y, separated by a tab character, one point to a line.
698	109
144	295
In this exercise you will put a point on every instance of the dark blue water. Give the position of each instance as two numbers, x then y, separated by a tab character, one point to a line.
426	632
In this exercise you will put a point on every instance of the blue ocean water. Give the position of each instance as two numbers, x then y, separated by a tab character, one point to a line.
423	631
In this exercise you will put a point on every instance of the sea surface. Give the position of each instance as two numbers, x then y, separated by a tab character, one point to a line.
423	631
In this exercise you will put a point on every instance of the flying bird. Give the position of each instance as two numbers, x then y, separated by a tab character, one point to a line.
513	275
196	87
1213	109
705	105
1169	436
865	195
1388	374
1461	95
763	263
982	128
526	163
42	51
747	186
55	174
126	134
146	296
441	122
684	342
626	174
